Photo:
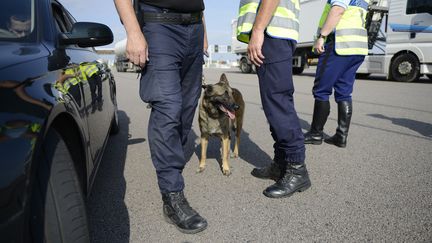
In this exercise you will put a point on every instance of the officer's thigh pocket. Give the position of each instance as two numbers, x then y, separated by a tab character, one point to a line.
149	89
157	85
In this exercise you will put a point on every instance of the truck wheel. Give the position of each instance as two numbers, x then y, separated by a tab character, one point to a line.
298	70
405	68
253	69
244	66
362	75
58	212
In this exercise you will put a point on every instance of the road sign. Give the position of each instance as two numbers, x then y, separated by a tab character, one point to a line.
220	49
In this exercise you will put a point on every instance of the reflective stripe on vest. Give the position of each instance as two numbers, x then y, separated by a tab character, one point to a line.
283	25
35	127
88	70
74	80
351	35
60	88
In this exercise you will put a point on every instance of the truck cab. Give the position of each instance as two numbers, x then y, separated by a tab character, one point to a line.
404	52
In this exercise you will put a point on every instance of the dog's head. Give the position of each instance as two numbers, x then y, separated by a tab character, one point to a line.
219	100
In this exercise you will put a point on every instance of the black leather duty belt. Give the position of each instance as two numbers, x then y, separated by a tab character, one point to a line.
172	18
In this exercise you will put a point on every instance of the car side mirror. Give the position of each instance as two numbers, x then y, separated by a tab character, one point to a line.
87	34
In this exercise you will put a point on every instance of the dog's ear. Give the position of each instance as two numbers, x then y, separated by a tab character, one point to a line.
207	88
223	79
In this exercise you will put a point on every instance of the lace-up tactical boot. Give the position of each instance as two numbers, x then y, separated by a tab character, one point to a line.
295	179
177	211
272	171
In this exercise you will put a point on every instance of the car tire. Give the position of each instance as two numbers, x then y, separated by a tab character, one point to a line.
429	76
405	68
245	67
58	212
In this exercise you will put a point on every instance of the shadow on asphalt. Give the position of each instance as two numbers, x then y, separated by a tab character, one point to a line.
422	128
107	212
249	151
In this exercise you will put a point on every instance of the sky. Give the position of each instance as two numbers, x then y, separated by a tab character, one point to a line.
218	15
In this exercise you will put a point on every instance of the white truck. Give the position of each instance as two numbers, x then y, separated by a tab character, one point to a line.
122	63
400	39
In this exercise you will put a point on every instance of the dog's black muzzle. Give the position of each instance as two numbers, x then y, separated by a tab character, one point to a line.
234	107
231	107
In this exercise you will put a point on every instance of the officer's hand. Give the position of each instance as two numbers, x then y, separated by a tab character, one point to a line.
254	48
205	46
319	46
137	49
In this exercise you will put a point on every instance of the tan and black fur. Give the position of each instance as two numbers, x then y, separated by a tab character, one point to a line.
219	103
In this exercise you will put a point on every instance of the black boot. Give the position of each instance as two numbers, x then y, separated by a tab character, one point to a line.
272	171
177	211
344	120
295	179
320	114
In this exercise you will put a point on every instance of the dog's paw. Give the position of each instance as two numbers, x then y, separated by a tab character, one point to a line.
234	155
200	169
226	172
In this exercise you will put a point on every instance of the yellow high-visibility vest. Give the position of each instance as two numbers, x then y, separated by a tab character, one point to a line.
351	35
75	80
283	25
65	86
88	70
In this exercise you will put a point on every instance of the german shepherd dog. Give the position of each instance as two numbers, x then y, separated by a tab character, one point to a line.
221	110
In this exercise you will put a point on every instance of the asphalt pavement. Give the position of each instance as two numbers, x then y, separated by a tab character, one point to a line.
378	189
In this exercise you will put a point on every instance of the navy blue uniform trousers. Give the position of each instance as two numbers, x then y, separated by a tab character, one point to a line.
276	90
335	72
171	83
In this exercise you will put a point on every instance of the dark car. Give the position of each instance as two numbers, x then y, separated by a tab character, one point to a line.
57	109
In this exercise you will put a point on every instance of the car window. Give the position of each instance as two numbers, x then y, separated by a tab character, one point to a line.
63	19
17	20
419	6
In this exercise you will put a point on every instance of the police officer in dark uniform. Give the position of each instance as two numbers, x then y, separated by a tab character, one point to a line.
169	48
270	27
